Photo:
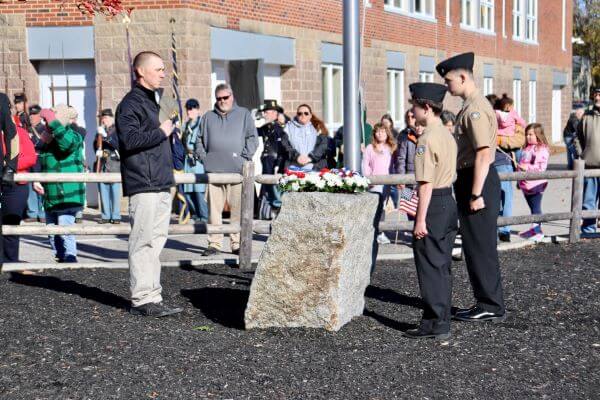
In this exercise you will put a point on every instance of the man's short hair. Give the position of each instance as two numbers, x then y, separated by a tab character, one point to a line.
436	107
141	58
223	86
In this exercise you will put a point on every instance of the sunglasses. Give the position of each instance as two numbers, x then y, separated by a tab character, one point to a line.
224	98
305	113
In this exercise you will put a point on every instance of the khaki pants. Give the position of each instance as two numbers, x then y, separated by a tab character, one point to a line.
150	215
216	195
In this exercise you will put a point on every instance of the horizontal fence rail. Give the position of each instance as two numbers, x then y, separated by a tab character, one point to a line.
247	226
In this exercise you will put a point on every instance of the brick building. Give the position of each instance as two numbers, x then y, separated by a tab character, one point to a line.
291	51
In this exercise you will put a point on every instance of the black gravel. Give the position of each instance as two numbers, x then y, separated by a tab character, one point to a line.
67	335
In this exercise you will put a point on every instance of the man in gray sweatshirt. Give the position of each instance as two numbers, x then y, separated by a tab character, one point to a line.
227	139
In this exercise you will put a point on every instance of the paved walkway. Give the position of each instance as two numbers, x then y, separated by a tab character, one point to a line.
100	249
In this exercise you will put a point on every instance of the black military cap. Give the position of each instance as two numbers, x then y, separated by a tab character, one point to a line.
107	112
271	105
594	90
427	91
35	109
460	61
20	98
191	104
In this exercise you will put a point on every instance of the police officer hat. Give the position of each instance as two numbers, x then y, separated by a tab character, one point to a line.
461	61
271	105
427	91
35	109
20	98
594	90
191	104
107	112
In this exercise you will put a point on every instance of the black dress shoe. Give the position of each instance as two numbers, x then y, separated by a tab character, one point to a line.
423	334
504	237
211	251
103	221
157	310
478	314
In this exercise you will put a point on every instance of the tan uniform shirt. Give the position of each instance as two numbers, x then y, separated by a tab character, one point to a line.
435	157
476	127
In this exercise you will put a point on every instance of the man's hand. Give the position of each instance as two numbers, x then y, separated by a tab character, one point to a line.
101	131
46	136
167	127
99	153
477	205
401	187
38	188
420	230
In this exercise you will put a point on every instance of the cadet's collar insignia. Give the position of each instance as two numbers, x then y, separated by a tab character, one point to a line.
420	150
475	115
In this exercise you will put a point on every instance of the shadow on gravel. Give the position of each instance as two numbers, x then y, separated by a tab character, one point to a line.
390	323
390	296
105	251
221	305
205	271
71	287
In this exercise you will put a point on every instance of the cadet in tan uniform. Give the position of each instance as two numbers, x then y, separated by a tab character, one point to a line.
477	190
436	220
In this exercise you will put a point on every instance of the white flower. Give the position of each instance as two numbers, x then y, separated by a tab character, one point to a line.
320	184
295	186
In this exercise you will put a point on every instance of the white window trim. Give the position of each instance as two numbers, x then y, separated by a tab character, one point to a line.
504	19
332	125
394	74
532	114
412	14
518	95
448	19
525	16
476	18
425	76
488	90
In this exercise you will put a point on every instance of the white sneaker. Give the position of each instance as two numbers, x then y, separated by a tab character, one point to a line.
382	239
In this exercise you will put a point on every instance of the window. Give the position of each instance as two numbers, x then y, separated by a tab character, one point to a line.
395	96
503	18
532	101
517	95
448	21
488	86
424	9
477	15
525	24
564	25
332	90
425	76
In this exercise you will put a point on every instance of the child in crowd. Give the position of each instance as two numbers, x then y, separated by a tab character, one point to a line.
377	160
534	158
507	116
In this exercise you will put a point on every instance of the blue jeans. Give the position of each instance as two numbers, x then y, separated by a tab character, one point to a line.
506	196
273	196
591	194
571	152
62	245
393	193
198	205
110	196
534	201
35	204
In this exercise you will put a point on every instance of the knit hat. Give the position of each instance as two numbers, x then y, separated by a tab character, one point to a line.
64	113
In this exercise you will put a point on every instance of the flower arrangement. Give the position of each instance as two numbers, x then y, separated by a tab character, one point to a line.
326	180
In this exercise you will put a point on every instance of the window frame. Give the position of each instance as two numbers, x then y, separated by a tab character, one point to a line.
328	96
408	8
425	76
395	99
471	17
488	85
518	95
532	114
526	21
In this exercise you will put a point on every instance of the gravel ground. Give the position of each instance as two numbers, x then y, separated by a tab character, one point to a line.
67	335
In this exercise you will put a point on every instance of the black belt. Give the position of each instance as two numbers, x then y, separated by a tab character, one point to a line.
442	192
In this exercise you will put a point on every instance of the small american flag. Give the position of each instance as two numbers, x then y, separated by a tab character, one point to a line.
408	201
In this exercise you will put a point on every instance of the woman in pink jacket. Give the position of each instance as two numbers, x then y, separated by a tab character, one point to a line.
377	160
534	158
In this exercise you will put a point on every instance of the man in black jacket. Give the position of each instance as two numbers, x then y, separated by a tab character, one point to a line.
147	176
8	152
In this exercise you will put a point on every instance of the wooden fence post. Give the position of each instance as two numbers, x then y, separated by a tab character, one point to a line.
577	202
247	217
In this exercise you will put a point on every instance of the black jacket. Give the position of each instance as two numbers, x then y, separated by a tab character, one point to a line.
277	147
146	161
11	140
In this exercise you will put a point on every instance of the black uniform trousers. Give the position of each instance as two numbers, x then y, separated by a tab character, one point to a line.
479	238
14	203
433	258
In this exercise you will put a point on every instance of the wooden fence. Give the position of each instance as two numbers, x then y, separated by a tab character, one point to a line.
248	226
